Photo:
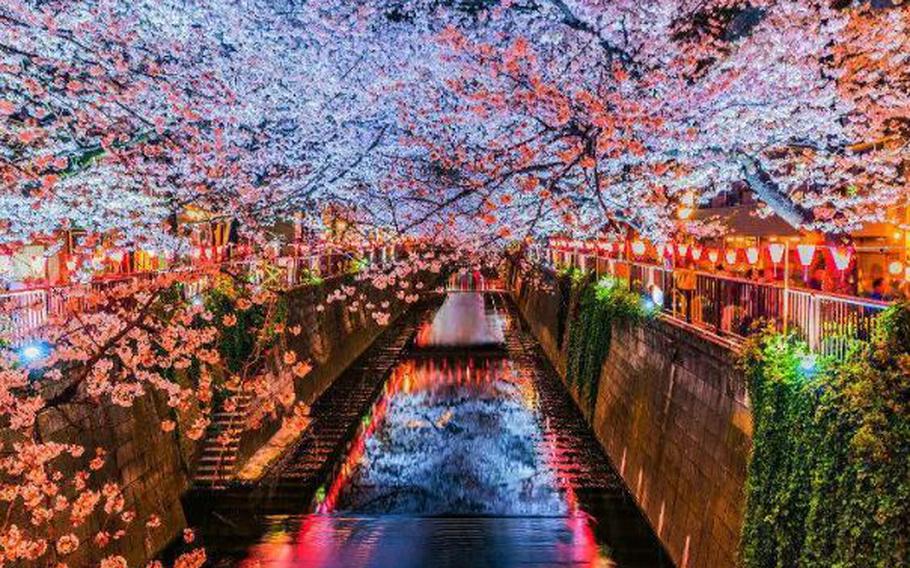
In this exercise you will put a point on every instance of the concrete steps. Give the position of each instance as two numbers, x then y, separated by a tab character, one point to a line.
218	460
336	417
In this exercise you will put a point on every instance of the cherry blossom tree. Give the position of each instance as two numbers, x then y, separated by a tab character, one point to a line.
459	125
594	112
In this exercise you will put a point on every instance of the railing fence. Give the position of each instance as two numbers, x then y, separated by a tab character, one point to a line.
733	307
23	313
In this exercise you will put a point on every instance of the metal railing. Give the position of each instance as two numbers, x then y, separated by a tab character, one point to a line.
23	313
733	308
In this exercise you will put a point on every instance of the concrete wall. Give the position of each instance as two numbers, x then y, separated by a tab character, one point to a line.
330	339
153	467
149	465
333	338
673	415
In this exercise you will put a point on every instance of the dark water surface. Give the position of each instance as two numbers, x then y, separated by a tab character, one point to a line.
468	459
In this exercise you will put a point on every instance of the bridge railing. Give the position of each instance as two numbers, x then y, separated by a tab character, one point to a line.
730	307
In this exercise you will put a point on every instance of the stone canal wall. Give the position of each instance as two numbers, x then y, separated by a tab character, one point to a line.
150	466
672	413
331	338
155	468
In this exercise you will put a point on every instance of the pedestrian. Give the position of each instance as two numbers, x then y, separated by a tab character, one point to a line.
879	289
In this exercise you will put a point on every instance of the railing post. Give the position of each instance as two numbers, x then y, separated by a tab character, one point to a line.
786	314
718	305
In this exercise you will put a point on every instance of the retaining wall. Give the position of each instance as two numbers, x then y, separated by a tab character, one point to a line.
672	413
154	468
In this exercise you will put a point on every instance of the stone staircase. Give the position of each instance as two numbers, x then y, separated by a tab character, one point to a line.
577	453
336	416
218	461
291	482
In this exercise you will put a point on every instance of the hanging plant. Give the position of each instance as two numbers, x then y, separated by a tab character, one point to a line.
601	304
829	477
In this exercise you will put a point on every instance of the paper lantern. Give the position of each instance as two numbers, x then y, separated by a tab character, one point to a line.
712	256
661	251
730	256
752	255
896	267
776	250
841	257
806	254
37	263
682	249
696	253
116	256
638	248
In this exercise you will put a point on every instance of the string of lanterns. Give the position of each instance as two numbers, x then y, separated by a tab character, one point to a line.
637	249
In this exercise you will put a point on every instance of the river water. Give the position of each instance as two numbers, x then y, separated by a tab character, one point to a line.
463	463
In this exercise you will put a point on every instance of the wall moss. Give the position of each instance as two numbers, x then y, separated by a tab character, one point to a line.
253	324
599	305
829	478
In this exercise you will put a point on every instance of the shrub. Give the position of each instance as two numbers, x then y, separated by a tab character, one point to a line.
829	478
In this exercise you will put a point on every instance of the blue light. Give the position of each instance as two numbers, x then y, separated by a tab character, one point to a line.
657	296
32	352
808	365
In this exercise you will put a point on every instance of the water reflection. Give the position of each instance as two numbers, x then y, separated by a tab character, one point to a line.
454	466
462	321
460	436
323	541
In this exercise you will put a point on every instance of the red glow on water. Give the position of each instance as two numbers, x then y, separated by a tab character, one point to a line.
364	432
424	332
584	546
326	539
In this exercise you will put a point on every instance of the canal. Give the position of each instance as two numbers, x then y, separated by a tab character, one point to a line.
472	455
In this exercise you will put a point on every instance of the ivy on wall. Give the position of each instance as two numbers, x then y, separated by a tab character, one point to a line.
829	478
250	321
600	304
567	279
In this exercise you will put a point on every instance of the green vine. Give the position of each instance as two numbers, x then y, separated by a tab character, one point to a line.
574	274
238	341
829	478
358	265
600	305
310	277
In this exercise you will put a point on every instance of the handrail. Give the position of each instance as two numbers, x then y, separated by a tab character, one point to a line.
24	312
727	306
